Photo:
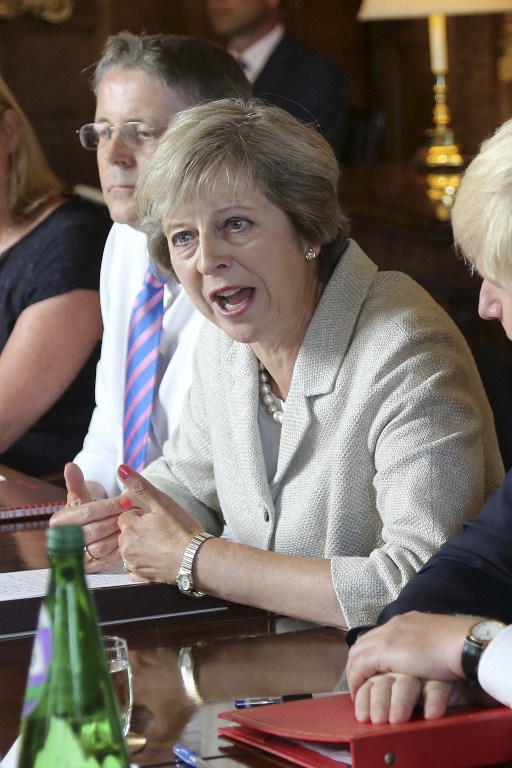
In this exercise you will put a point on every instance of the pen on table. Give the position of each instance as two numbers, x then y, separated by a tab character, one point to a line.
189	757
264	700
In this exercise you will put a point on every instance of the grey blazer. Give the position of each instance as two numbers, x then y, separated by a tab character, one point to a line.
387	443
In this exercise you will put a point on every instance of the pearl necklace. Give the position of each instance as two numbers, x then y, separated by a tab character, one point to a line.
267	398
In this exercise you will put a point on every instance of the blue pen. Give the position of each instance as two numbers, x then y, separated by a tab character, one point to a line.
189	757
265	700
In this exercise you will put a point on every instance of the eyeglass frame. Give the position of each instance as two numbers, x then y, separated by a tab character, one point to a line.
155	133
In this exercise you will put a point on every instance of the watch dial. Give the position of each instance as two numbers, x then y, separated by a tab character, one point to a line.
486	630
184	582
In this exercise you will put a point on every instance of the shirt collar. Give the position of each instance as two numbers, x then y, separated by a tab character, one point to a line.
256	55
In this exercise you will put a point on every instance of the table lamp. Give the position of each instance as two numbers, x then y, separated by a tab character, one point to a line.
442	151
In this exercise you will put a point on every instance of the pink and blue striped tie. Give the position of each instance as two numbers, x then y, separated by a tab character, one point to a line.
141	369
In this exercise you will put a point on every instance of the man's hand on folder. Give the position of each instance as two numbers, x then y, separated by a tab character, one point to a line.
412	658
392	698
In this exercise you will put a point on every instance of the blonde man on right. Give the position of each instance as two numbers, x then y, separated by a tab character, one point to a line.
419	657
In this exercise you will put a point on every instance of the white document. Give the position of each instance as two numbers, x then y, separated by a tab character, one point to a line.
22	584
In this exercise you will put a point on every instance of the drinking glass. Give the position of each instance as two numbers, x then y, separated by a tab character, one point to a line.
116	650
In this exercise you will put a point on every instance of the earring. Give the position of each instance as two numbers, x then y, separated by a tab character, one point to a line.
310	254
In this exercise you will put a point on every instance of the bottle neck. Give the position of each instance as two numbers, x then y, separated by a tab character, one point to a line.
67	568
69	693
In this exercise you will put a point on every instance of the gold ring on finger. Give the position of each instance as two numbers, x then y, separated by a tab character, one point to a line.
88	553
126	567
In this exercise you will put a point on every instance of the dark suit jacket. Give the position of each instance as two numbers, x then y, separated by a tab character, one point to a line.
472	572
309	86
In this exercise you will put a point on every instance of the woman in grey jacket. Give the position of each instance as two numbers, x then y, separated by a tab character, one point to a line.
336	421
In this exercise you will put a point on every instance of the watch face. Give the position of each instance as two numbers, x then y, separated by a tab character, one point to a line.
485	631
184	582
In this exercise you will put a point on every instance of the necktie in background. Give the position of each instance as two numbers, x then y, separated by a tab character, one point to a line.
141	369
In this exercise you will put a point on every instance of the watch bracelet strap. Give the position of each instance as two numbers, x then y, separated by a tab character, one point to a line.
192	547
190	553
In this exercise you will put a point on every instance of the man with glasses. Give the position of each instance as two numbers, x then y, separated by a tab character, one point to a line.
140	82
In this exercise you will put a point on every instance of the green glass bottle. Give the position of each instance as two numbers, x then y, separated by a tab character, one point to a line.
70	717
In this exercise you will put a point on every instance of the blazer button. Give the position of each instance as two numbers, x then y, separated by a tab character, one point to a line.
266	515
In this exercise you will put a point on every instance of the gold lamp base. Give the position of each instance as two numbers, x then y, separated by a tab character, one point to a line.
441	191
442	151
441	158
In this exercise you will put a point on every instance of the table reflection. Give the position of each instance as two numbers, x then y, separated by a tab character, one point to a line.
179	687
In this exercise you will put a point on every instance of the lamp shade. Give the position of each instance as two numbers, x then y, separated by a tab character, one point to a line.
373	10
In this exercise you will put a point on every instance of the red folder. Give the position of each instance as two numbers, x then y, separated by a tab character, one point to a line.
465	738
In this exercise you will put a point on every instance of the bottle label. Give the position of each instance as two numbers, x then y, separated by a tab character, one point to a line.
40	661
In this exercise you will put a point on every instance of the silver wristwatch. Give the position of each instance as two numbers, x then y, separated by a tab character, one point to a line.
184	579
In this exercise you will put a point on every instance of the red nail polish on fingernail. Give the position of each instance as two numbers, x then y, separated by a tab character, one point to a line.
124	471
125	503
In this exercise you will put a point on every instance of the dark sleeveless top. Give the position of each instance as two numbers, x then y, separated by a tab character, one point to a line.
63	253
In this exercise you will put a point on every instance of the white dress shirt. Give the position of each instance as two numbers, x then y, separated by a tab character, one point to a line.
254	58
124	265
495	667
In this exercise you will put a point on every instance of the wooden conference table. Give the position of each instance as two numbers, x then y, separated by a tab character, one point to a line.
187	668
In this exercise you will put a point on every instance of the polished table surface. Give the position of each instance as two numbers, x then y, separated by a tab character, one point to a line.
186	669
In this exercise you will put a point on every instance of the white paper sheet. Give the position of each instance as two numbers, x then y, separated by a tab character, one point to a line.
334	752
22	584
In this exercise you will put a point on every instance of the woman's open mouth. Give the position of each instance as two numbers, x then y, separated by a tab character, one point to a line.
233	299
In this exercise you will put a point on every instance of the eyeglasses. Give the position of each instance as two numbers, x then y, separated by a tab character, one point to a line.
134	134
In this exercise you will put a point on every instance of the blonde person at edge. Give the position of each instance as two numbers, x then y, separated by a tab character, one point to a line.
421	647
335	421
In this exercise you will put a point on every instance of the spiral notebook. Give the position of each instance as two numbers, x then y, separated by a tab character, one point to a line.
26	498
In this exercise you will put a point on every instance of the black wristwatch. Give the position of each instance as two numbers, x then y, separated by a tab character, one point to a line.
184	579
477	640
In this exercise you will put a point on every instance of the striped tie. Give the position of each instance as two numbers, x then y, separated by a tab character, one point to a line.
141	369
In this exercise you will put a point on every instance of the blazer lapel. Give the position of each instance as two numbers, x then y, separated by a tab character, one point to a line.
315	373
293	434
271	76
244	419
324	348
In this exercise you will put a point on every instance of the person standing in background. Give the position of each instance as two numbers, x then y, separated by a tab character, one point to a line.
50	320
140	82
284	72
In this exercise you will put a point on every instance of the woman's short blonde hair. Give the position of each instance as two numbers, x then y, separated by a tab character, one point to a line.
255	145
30	181
482	212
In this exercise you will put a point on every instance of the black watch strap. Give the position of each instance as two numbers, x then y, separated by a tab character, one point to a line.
477	640
471	653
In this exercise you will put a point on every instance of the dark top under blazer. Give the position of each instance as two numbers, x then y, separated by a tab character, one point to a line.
308	85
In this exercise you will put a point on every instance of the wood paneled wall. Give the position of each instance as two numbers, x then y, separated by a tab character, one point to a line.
387	66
